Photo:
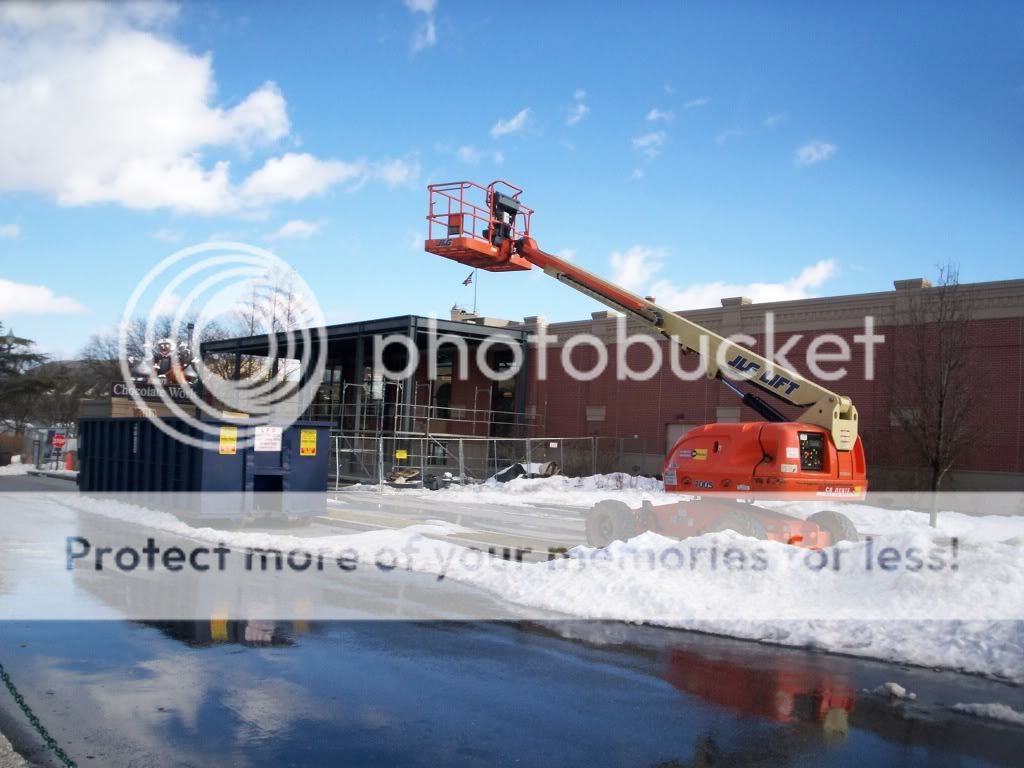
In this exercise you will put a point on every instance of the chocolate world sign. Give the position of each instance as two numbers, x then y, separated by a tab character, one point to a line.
150	391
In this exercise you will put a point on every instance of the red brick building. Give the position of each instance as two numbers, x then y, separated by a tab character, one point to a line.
649	415
641	419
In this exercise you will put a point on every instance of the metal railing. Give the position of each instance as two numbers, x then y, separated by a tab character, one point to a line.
463	208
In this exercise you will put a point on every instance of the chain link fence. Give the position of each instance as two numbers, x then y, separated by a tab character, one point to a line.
374	459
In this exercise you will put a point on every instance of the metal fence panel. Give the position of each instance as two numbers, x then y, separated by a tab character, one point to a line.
372	459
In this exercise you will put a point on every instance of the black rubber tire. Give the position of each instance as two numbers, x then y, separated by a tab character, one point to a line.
743	523
610	521
836	525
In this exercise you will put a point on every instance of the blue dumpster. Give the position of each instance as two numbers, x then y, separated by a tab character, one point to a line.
283	472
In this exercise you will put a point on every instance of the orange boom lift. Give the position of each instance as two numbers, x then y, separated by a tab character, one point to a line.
721	468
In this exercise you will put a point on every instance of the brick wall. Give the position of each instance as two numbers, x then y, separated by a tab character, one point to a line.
643	410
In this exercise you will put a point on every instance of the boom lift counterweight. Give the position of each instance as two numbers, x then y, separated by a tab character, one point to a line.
817	455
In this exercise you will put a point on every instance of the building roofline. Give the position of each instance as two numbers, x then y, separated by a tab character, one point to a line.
416	324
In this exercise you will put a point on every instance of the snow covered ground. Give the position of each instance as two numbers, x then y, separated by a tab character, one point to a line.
70	474
558	490
15	468
907	596
992	712
584	492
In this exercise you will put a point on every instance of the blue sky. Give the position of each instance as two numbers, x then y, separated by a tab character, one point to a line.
689	150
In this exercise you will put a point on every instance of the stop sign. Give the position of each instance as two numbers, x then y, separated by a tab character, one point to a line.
58	441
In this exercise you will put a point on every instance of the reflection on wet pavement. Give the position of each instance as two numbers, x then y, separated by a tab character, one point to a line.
250	693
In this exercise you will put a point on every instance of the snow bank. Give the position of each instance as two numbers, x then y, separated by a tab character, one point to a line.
965	618
16	468
367	544
992	712
584	492
931	605
558	490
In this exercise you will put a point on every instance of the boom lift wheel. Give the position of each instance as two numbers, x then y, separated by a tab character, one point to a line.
836	525
610	521
740	521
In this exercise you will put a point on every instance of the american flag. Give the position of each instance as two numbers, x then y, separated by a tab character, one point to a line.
468	280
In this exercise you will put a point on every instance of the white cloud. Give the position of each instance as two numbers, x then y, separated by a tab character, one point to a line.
669	88
802	286
25	299
421	6
296	228
10	230
168	235
425	35
656	114
775	119
814	152
579	110
649	143
394	173
695	103
85	16
102	106
638	173
634	268
514	124
297	176
729	133
472	155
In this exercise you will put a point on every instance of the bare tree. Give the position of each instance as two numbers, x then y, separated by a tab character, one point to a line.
937	385
102	354
272	305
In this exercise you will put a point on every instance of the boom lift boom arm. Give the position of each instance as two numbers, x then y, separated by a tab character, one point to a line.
501	246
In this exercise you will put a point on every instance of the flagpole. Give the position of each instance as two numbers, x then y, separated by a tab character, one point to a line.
476	280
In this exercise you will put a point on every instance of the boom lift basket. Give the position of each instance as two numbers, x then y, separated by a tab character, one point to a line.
476	225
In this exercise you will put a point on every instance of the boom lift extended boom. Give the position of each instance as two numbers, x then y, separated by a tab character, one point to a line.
819	454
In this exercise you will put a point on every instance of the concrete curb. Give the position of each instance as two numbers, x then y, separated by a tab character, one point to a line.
51	473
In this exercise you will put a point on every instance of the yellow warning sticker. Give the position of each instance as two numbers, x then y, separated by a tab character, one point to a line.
219	630
307	442
228	441
401	453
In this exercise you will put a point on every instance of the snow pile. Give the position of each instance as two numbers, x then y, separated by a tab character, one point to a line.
967	617
871	519
585	492
15	468
992	712
907	597
894	691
